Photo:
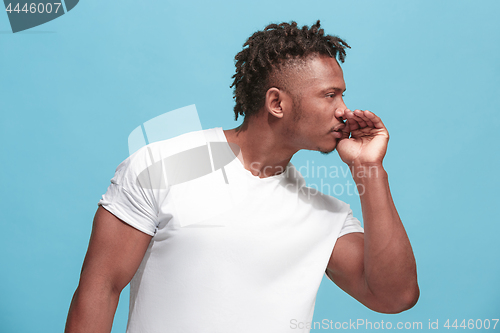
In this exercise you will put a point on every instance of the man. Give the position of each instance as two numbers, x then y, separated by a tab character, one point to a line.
253	263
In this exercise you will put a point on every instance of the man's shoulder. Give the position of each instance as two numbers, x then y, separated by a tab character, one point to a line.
185	141
159	150
149	154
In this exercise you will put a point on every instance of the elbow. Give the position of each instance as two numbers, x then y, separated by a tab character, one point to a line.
408	300
403	301
394	301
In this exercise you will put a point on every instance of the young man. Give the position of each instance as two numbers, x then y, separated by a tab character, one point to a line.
244	249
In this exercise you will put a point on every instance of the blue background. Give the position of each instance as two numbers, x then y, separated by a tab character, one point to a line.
74	88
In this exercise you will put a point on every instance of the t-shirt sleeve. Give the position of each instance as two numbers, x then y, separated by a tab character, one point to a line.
351	224
128	199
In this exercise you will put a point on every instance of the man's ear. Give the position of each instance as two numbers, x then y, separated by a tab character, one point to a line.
277	102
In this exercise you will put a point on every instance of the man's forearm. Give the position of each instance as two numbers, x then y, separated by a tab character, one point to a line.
92	309
389	263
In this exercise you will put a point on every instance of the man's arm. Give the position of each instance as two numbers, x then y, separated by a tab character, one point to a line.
115	252
378	267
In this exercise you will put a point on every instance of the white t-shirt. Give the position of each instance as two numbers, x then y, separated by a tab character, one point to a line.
231	252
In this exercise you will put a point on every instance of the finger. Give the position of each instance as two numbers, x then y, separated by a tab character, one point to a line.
346	131
353	124
363	116
358	116
377	122
356	121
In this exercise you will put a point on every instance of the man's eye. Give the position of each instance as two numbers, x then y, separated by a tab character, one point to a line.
333	95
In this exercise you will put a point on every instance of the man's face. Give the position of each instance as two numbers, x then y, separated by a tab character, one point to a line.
318	93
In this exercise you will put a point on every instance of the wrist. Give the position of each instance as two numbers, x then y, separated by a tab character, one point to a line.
362	172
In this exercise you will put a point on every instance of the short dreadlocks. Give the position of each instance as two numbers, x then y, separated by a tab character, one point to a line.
271	49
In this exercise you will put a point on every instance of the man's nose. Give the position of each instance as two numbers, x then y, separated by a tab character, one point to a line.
342	105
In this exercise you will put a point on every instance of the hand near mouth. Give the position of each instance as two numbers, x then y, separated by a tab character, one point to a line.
364	138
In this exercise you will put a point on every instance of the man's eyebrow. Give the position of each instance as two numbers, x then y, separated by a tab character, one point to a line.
334	88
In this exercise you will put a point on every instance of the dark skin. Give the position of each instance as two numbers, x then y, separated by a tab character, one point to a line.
115	252
377	267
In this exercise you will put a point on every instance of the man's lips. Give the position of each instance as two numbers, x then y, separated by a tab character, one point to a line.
336	134
337	130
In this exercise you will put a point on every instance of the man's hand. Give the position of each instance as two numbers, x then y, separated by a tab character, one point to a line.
364	139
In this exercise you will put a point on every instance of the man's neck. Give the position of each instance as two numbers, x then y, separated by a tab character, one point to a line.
263	150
